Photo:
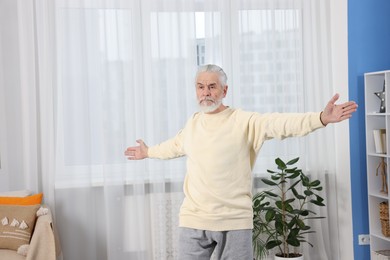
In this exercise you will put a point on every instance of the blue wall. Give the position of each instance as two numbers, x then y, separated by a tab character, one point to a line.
368	50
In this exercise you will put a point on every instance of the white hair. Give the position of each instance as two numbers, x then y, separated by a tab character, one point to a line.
216	69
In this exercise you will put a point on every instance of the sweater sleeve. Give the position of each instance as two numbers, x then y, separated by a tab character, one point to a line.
285	125
169	149
282	125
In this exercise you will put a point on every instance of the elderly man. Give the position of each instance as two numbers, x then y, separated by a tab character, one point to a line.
221	145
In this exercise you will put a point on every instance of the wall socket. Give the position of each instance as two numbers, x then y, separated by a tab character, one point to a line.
364	239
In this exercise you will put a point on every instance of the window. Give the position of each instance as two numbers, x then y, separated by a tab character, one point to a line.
124	75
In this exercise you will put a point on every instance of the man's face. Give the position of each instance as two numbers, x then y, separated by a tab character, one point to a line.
209	91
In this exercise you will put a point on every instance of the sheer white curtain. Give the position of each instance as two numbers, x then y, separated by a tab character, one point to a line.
26	112
101	74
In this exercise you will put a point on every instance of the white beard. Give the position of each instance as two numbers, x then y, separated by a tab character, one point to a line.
210	108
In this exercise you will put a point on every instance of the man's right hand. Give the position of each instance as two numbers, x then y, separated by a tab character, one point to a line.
137	152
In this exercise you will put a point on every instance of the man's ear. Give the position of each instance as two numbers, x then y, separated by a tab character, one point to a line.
225	89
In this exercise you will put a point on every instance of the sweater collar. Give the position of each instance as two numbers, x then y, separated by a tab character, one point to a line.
219	114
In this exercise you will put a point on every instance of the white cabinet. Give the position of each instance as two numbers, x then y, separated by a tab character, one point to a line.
377	174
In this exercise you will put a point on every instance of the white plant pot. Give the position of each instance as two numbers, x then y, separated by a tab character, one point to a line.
292	258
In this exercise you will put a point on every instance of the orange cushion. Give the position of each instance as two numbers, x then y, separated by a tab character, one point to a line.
29	200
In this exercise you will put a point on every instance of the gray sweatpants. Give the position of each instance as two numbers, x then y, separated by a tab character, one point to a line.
197	244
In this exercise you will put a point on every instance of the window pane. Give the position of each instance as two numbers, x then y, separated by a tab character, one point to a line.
271	69
270	60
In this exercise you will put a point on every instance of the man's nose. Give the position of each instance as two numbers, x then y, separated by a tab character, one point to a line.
206	92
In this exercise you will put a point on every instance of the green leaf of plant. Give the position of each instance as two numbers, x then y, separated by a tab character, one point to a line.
292	223
265	204
291	170
271	194
279	204
315	183
288	207
296	212
294	184
267	208
293	232
319	199
281	165
294	175
300	223
296	194
293	241
273	243
305	180
259	195
269	216
306	232
271	171
304	213
305	241
308	192
318	188
289	201
317	203
279	227
268	182
305	228
315	217
293	161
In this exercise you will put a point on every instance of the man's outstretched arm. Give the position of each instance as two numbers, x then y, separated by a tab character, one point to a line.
333	113
137	152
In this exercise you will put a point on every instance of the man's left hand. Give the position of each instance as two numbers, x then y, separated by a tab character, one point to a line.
336	113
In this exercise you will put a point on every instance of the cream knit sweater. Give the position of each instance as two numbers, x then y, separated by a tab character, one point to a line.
221	150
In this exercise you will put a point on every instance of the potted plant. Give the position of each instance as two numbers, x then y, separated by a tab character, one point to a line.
280	214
